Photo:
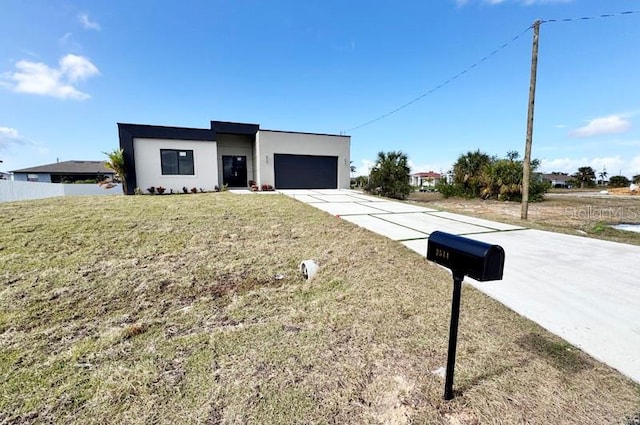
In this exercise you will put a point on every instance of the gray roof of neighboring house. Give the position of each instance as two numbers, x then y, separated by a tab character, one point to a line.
69	167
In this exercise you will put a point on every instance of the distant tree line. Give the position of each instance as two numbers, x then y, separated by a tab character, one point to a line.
585	177
476	174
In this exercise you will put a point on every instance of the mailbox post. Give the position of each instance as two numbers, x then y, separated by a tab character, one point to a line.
464	257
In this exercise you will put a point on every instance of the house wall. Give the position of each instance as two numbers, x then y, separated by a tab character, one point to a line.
149	171
236	145
23	177
270	142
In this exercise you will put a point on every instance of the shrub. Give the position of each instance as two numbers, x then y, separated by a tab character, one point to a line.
452	190
390	176
266	188
477	174
194	190
151	190
160	190
184	189
619	181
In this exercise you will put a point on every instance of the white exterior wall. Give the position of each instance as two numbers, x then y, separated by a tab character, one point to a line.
270	142
149	170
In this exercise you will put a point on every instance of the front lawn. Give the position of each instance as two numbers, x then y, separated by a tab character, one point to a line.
191	309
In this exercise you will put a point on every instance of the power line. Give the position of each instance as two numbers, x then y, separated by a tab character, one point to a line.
455	77
589	18
505	45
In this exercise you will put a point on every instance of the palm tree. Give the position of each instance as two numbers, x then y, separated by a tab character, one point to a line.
585	176
603	175
116	163
390	176
469	170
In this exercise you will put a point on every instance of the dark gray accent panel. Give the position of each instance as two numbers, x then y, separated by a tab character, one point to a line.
224	127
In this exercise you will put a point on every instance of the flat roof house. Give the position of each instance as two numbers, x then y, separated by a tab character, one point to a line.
232	154
64	172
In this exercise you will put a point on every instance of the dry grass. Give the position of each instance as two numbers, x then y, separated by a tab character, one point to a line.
564	211
154	309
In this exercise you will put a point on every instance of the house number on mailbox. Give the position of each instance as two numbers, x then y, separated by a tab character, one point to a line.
441	253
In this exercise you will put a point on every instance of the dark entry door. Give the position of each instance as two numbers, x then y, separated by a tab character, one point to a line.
305	171
234	171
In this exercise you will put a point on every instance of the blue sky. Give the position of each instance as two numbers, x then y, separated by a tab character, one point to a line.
70	70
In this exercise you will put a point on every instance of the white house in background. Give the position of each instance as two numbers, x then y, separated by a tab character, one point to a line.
232	154
563	181
425	180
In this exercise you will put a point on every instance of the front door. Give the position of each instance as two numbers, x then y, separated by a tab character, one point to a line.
234	171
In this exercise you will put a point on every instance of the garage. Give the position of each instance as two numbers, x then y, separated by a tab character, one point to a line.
305	171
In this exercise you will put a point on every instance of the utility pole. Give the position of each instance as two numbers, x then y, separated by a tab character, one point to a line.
526	164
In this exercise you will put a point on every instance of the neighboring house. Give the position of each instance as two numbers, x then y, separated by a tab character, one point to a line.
232	154
559	180
425	180
5	176
64	172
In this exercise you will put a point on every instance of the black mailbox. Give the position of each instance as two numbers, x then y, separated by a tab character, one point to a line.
466	257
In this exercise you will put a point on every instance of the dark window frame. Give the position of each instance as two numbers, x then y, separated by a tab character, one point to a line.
184	170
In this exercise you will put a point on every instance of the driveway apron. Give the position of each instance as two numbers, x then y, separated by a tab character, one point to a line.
583	290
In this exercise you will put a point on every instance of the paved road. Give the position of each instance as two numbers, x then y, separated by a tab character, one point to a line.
584	290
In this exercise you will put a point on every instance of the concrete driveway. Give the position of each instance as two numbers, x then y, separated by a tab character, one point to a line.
585	290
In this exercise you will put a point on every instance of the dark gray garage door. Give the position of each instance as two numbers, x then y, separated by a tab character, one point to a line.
305	171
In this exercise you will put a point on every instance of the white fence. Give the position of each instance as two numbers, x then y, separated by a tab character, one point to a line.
21	191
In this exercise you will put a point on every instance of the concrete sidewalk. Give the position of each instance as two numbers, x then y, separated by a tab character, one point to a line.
585	290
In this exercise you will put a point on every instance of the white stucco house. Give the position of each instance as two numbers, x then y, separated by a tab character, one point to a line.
427	179
232	154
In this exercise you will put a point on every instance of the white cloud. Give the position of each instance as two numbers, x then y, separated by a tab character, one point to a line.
77	68
87	23
612	124
614	165
10	136
437	168
39	78
634	166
